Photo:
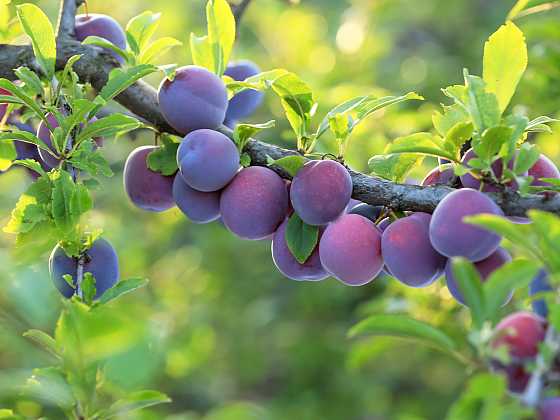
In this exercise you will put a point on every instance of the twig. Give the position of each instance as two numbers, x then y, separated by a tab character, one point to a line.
239	11
67	18
80	276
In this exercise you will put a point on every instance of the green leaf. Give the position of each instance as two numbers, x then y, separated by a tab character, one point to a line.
526	157
7	154
243	132
110	126
221	33
50	387
156	48
201	52
122	288
457	136
88	288
24	98
517	274
296	98
120	79
88	158
164	158
421	143
44	340
301	238
135	401
506	45
403	327
470	286
291	164
394	167
31	80
546	228
141	28
258	82
39	28
31	164
482	104
31	208
540	124
69	200
345	107
103	43
491	142
452	115
368	107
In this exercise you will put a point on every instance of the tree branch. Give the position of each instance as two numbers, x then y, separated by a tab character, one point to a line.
141	99
239	11
67	18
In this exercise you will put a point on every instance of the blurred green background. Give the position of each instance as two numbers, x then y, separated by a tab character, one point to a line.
218	328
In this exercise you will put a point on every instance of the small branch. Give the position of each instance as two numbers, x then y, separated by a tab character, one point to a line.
141	99
67	18
80	276
239	11
532	394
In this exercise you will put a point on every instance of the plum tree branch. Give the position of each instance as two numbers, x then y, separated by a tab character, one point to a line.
66	19
239	10
141	99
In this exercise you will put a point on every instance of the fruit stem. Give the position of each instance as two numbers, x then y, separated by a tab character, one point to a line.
86	8
80	276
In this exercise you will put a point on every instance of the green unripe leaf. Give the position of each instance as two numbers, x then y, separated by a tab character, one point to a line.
291	164
164	158
470	286
301	238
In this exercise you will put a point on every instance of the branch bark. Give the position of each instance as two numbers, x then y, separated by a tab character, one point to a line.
239	11
141	99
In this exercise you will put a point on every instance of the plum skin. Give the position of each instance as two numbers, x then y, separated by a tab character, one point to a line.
207	160
243	104
451	237
100	260
147	189
199	207
103	26
440	175
254	203
350	250
540	284
497	167
549	409
408	253
321	191
286	263
368	211
484	267
195	99
543	168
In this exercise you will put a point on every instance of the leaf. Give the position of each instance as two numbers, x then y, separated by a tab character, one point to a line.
31	164
69	200
135	401
482	104
141	28
156	48
421	143
527	156
344	107
540	124
258	82
164	158
44	340
201	52
457	136
7	154
452	115
120	79
122	288
470	285
296	98
394	167
243	132
88	158
221	33
366	108
104	43
31	208
403	327
24	98
491	142
31	80
49	386
291	164
88	288
517	274
39	28
301	238
110	126
506	45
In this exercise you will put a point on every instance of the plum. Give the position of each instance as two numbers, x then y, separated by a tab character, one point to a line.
103	26
254	203
408	253
147	189
469	181
549	409
440	175
207	160
367	210
100	260
198	206
451	237
543	168
3	106
311	269
540	284
246	102
350	250
520	333
484	267
321	191
194	99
